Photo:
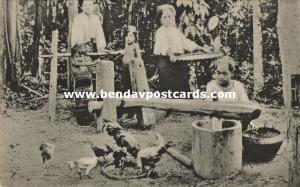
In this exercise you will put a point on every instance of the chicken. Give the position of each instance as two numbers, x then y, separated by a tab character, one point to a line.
84	163
126	139
111	127
120	157
47	151
150	156
101	151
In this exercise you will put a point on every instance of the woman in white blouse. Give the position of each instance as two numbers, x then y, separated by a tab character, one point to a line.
87	28
169	40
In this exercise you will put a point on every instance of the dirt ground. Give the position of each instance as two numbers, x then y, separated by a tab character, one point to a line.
21	133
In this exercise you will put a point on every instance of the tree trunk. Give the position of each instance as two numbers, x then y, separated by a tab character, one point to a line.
36	37
2	53
257	48
288	30
15	57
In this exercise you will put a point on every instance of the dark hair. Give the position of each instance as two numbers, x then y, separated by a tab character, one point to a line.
81	49
80	3
222	60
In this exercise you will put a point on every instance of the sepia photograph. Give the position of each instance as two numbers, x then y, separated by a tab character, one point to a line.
150	93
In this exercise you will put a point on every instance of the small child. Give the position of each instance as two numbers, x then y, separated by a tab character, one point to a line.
81	62
223	69
169	40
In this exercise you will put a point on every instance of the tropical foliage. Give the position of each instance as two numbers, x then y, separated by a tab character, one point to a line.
233	33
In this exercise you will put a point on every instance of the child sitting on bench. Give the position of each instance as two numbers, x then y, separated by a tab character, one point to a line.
80	61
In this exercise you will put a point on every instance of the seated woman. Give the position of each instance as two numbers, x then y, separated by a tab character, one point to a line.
169	40
223	69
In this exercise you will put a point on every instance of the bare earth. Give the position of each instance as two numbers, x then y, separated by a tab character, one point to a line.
21	133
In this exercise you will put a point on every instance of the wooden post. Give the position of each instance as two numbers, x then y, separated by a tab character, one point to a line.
41	60
257	47
288	31
139	83
53	77
105	81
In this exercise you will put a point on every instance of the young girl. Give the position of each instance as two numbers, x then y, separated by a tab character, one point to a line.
223	69
169	40
87	28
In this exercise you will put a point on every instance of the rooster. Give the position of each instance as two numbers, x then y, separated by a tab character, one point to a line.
126	139
150	156
47	151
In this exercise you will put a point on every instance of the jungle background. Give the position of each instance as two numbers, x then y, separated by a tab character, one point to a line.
37	19
26	34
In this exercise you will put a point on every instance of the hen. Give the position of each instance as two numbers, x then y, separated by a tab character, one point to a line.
85	163
150	156
126	139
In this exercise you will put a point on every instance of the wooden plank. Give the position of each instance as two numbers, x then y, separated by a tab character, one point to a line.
196	57
53	77
119	52
227	110
139	82
105	81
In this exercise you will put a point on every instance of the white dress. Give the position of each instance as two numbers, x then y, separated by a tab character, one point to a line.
86	27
